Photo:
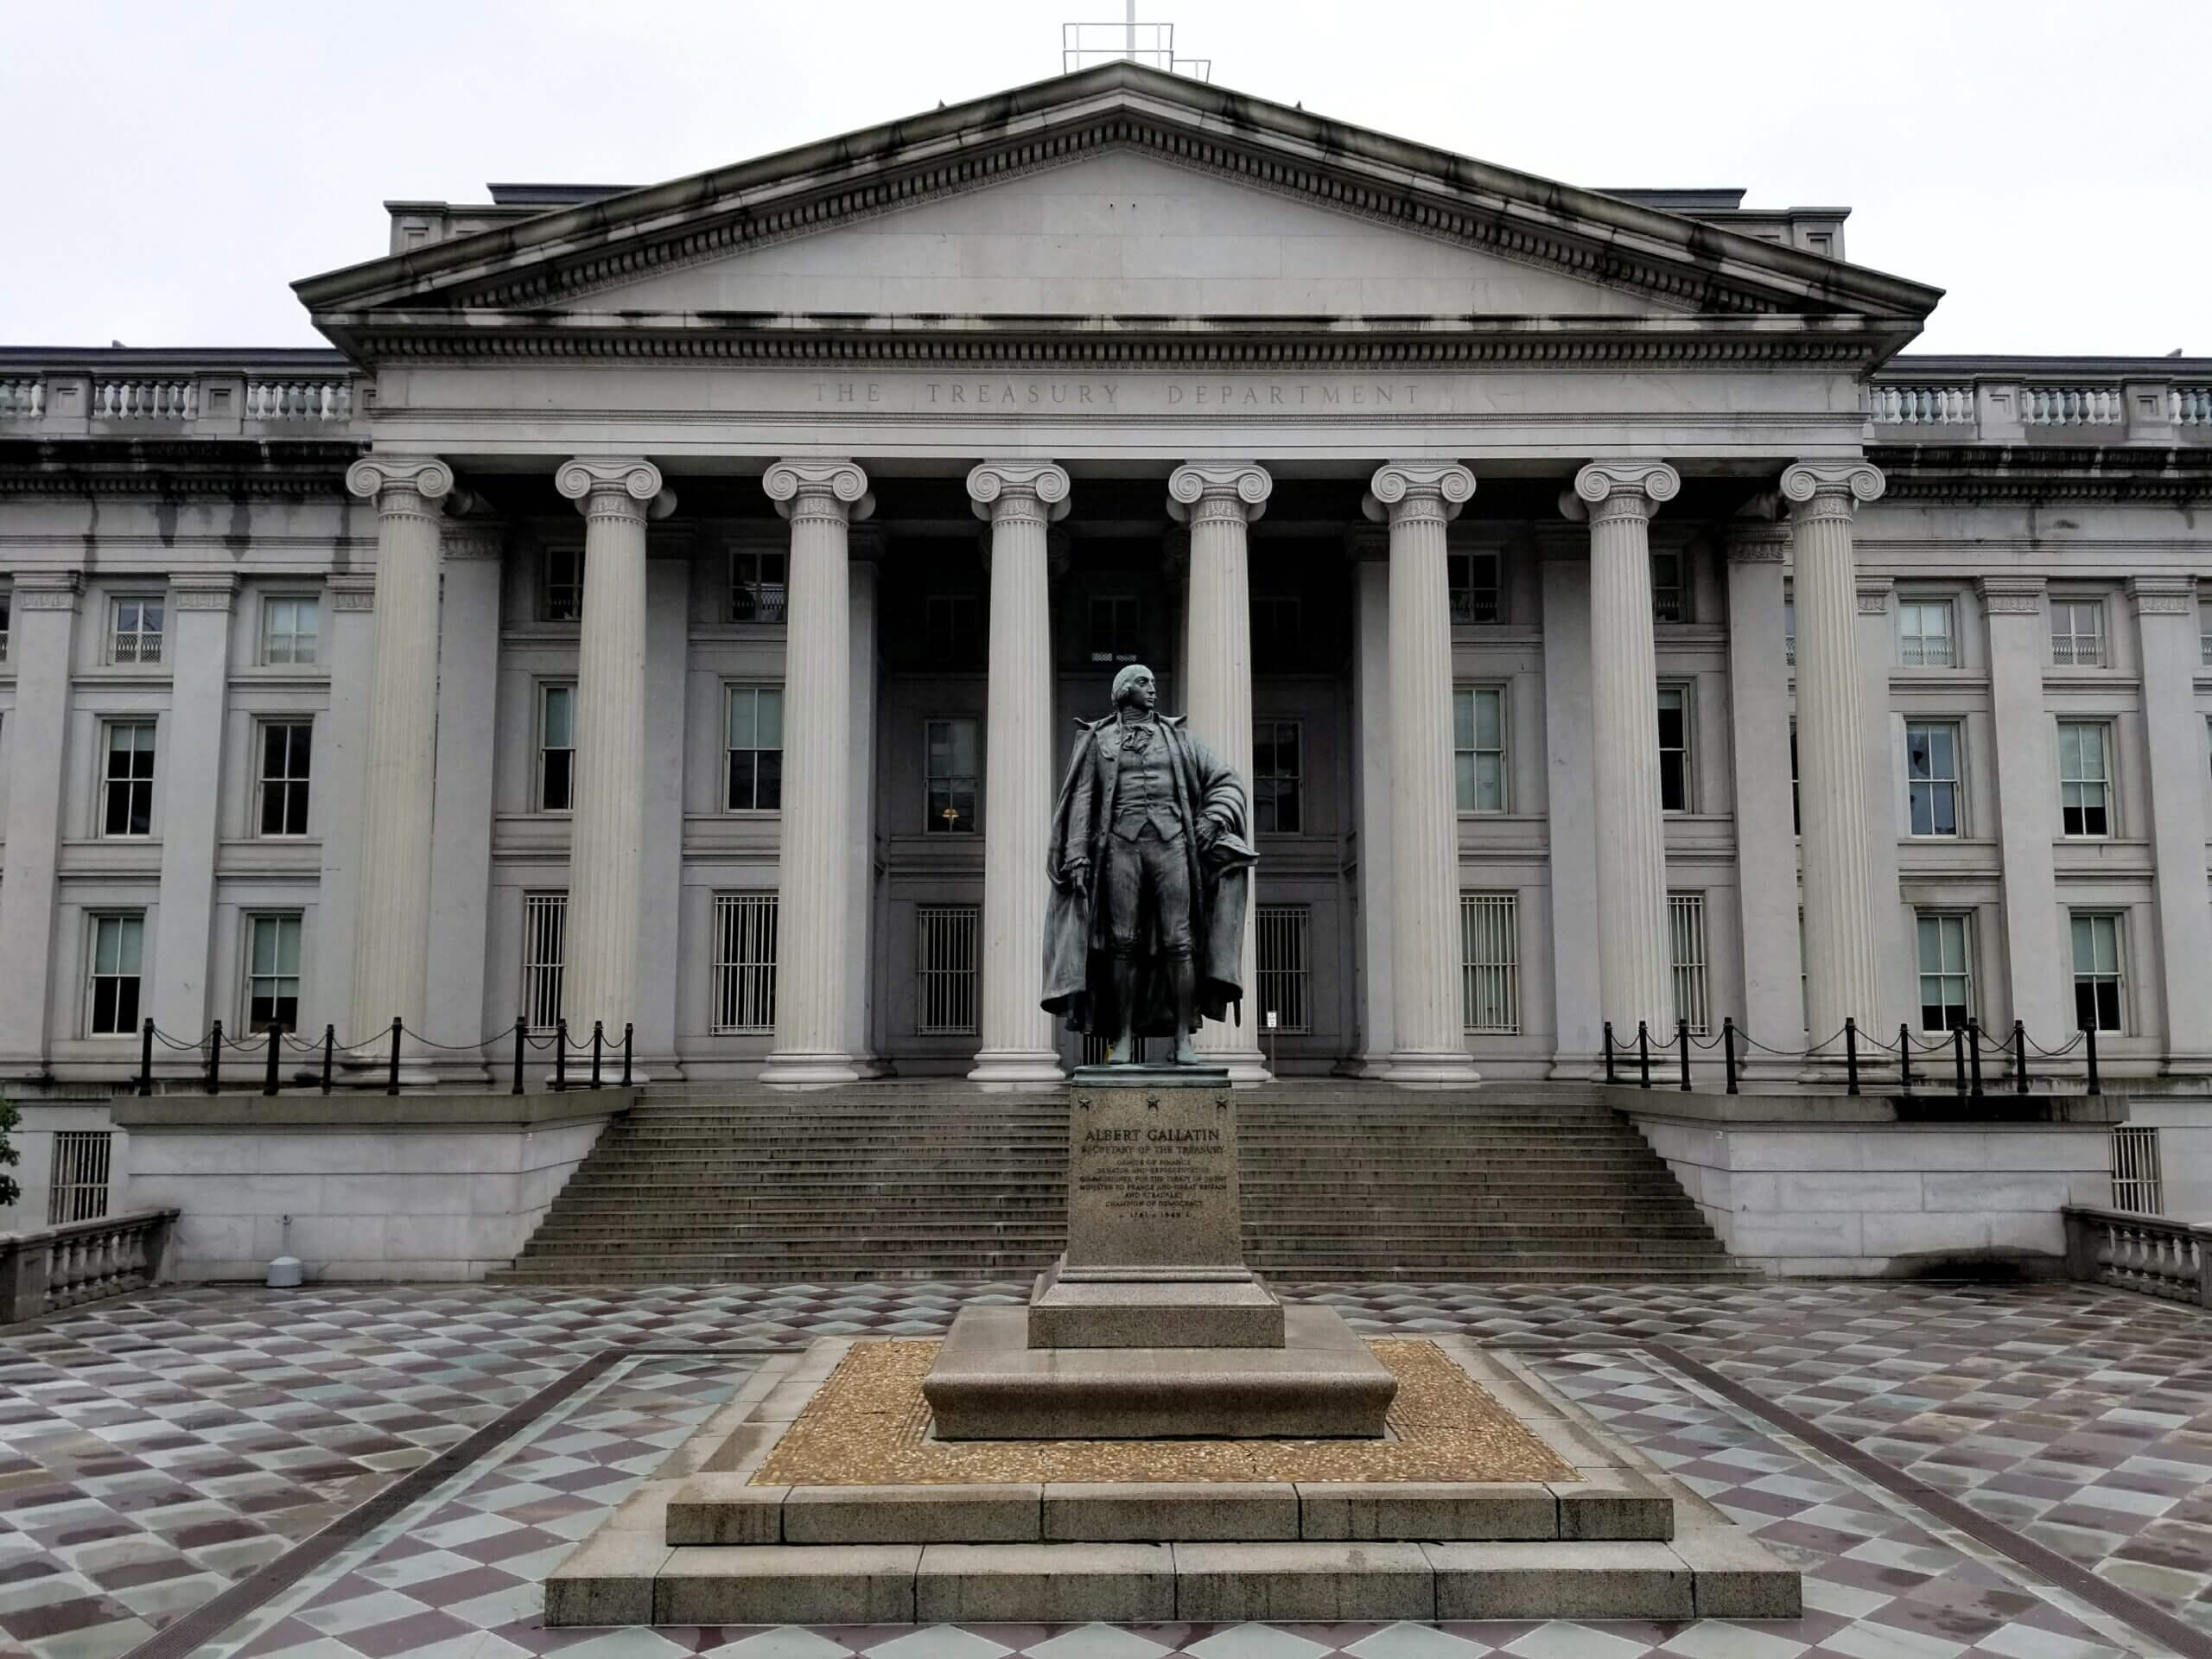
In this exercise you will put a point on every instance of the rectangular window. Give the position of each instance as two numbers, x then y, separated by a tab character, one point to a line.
290	629
127	780
1278	631
556	747
287	750
1673	748
1474	587
563	597
1686	943
7	606
944	939
1278	940
2098	983
1490	963
1945	972
745	962
2204	634
1478	747
2137	1183
1278	777
136	633
544	951
756	748
2085	777
1670	594
1924	638
952	629
1113	620
272	973
1797	818
2077	632
81	1162
1789	632
757	585
1931	760
950	748
112	990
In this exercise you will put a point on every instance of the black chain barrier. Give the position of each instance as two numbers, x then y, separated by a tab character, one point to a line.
1965	1044
273	1040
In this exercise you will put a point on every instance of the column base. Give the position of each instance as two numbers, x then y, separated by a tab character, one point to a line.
1244	1065
799	1069
579	1082
1016	1067
1432	1066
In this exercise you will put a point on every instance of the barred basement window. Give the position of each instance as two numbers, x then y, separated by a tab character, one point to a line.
1686	940
81	1162
562	598
945	951
2137	1182
757	585
1280	937
745	962
1473	586
1490	963
545	950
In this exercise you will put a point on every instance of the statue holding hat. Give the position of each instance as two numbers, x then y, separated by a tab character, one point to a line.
1150	864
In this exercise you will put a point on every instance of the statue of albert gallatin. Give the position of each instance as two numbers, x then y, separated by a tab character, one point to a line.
1151	869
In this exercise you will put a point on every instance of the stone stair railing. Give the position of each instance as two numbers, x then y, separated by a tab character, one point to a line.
1974	406
54	1267
90	398
2150	1254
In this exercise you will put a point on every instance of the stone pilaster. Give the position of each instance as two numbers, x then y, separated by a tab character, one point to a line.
1634	977
192	787
607	845
1021	499
2027	807
2167	629
460	820
1218	502
1842	962
1570	827
41	632
392	895
1370	550
1766	841
1418	499
821	499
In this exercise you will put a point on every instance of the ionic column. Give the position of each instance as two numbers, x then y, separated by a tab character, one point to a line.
1842	966
391	923
607	827
1634	979
821	498
1218	502
1019	498
1418	499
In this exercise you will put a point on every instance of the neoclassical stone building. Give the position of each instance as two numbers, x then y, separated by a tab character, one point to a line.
668	607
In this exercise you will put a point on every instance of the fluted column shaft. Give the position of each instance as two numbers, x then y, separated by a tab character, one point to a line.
1418	499
1842	968
607	825
821	498
1219	502
1634	979
392	915
1020	500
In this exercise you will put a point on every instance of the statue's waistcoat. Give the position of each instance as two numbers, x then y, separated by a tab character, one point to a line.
1143	784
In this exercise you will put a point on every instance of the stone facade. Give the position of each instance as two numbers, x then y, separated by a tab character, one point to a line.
636	544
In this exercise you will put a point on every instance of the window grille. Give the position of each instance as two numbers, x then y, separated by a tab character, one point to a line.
1278	781
2138	1181
1924	634
745	962
1670	594
1945	972
2077	632
136	635
1490	963
544	951
945	947
562	598
112	990
1686	940
1474	588
950	748
2098	981
758	587
286	751
1932	777
756	748
1479	748
127	807
1673	748
272	996
556	747
290	629
79	1190
1285	985
2084	778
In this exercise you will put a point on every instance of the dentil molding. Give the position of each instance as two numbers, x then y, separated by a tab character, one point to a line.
998	489
421	475
1408	488
1241	488
832	488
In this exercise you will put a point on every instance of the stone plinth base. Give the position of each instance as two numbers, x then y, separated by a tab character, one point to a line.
989	1384
1117	1307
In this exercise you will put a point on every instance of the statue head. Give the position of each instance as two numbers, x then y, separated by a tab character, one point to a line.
1134	685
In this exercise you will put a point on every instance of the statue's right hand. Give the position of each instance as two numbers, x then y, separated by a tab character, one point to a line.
1078	871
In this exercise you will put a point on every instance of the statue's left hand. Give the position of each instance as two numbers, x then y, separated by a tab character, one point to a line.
1209	833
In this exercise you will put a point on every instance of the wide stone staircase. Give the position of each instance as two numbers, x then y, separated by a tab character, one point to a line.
734	1184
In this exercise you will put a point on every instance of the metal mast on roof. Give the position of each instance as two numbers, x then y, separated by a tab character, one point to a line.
1085	44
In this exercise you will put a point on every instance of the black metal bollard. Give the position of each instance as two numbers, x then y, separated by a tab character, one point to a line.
392	1070
1683	1037
1904	1056
560	1054
1973	1054
269	1077
1609	1053
627	1031
2090	1037
2019	1058
1850	1054
1958	1055
329	1054
598	1042
522	1039
215	1059
146	1059
1728	1048
1643	1054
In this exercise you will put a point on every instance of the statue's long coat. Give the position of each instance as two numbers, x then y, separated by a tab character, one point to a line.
1078	979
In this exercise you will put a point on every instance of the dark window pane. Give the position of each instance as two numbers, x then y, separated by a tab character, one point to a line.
1287	807
272	808
768	795
2093	820
1672	792
740	778
2107	1005
2085	1004
557	763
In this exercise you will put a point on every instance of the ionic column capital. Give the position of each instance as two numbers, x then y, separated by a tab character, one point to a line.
1606	490
1409	491
1234	491
1830	489
819	489
627	487
401	483
1004	491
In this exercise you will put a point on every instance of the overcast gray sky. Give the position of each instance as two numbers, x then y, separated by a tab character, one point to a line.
169	167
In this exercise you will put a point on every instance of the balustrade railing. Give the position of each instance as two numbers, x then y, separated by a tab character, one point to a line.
2150	1254
2190	405
22	400
299	400
145	400
2073	406
54	1267
1921	405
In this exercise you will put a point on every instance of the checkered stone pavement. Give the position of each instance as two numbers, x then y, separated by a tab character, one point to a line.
156	1450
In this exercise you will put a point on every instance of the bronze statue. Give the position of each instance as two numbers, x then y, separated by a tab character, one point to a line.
1151	869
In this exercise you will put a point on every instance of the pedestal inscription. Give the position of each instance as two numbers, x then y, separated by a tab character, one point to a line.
1152	1179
